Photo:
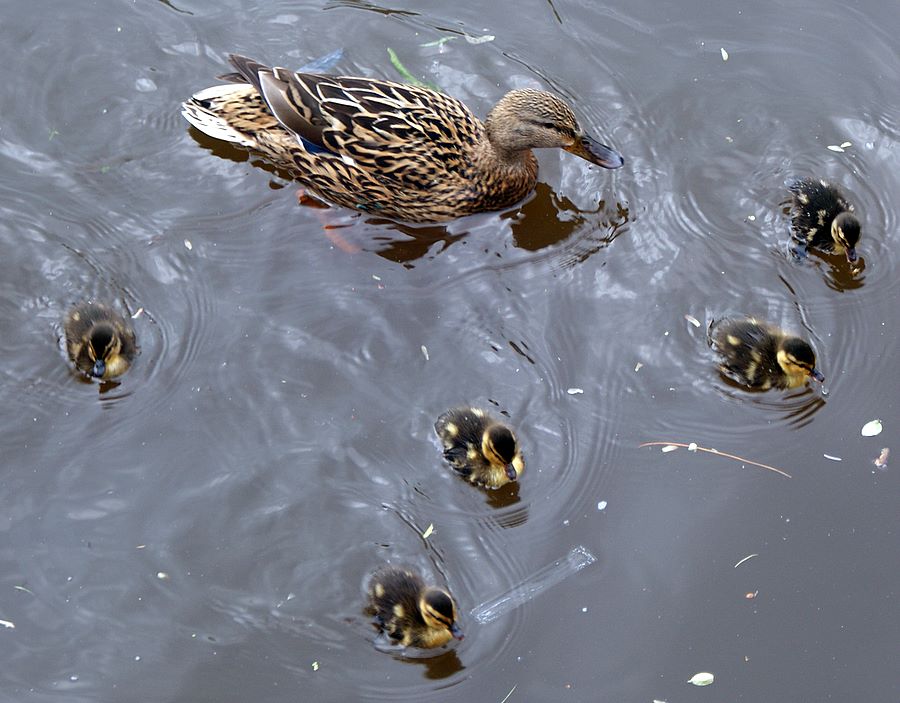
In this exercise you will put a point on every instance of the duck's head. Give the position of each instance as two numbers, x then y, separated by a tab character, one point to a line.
104	347
531	119
797	359
500	448
439	611
845	231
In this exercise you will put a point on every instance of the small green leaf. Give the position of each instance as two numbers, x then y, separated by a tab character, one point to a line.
403	71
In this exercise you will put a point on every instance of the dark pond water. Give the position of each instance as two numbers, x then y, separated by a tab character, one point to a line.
202	531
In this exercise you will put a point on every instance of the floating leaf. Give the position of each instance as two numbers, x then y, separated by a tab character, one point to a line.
424	352
835	147
724	54
9	625
693	320
429	531
138	313
846	145
403	71
436	42
575	391
704	678
871	428
668	448
188	245
479	40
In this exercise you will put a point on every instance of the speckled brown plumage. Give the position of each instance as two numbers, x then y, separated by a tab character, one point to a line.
400	151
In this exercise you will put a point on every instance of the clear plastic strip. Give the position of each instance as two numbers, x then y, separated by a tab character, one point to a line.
535	584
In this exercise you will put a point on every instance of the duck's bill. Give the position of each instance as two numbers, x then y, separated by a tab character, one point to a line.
591	150
818	375
852	255
99	369
456	632
511	472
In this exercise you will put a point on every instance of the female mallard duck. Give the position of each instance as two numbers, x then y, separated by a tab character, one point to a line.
401	151
823	218
410	613
761	356
479	447
99	340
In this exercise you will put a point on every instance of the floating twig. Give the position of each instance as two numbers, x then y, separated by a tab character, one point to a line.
509	694
749	556
693	447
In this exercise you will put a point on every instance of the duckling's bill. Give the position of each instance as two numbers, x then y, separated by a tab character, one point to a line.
591	150
456	632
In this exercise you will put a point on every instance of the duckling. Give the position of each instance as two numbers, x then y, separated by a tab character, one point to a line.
823	218
479	447
99	340
761	356
409	612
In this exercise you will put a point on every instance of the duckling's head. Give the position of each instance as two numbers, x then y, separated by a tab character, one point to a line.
439	611
104	347
530	119
845	231
500	448
797	359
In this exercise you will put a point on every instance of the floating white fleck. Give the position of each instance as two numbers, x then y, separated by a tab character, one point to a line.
752	218
704	678
638	366
376	278
668	448
601	505
832	458
8	625
162	575
724	54
846	145
144	85
835	147
881	461
692	447
428	531
424	352
575	391
315	666
140	311
871	428
188	245
479	40
693	320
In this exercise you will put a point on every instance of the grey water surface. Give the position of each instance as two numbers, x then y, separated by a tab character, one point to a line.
202	530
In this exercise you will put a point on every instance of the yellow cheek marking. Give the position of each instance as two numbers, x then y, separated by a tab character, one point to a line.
518	464
478	412
451	429
379	590
733	341
803	198
76	316
472	454
399	611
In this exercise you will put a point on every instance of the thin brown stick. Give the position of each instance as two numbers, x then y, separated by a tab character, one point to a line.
718	453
